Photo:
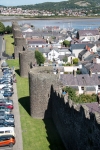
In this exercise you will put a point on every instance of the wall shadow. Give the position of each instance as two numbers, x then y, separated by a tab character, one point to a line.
12	43
53	136
17	71
25	102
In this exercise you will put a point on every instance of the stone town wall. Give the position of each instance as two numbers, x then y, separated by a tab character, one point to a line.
26	59
19	41
77	126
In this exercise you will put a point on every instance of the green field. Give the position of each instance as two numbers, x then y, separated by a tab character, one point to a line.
37	134
9	44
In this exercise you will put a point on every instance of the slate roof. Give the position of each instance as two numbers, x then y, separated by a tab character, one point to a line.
93	66
82	52
88	32
79	80
81	46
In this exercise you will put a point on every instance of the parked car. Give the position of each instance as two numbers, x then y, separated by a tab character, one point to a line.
6	110
6	82
2	113
4	91
8	71
7	118
7	75
6	124
7	101
7	94
6	105
6	68
8	85
7	88
7	140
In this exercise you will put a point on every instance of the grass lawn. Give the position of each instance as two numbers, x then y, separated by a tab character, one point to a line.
9	44
37	134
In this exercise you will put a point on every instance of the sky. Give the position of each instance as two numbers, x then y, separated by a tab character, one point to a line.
24	2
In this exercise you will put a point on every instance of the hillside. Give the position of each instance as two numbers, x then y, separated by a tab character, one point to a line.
63	5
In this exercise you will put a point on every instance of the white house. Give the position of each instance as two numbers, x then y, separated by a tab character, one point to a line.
52	55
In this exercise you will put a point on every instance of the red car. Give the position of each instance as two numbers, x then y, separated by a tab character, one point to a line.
7	106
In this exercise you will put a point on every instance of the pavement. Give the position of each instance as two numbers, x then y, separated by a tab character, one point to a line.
18	131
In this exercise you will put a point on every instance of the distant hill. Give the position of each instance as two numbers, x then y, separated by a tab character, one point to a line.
63	5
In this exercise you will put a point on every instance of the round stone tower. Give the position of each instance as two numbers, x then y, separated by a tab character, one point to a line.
19	41
41	86
17	33
26	61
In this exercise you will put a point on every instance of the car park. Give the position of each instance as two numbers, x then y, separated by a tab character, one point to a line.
7	140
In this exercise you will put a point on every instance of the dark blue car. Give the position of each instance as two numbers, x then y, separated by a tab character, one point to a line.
7	94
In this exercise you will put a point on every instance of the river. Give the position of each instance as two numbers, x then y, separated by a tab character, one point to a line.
63	23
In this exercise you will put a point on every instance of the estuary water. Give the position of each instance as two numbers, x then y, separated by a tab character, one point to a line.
63	23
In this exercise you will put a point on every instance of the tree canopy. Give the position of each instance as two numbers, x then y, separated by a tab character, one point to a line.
8	29
2	28
66	43
75	61
39	57
83	98
65	59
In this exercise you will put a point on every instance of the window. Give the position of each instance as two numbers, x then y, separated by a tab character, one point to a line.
7	131
82	88
99	87
1	131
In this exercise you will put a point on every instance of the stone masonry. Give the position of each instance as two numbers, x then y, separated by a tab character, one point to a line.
19	41
78	127
26	60
40	89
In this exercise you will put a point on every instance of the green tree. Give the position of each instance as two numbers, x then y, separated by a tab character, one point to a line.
39	57
75	61
8	29
66	43
65	59
2	28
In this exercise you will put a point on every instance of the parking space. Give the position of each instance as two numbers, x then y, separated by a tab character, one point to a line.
18	145
6	148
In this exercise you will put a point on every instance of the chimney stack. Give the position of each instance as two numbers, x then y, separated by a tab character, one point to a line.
74	73
90	73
